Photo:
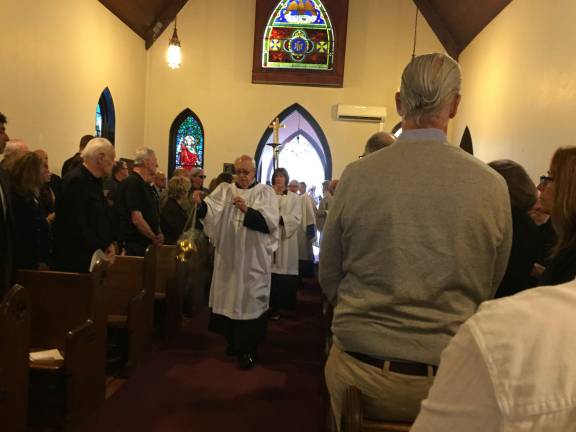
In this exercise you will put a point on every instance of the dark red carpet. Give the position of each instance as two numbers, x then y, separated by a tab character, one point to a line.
191	385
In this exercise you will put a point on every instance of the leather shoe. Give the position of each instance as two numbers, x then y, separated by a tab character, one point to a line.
246	361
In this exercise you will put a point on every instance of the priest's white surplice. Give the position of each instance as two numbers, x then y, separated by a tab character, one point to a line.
243	257
286	257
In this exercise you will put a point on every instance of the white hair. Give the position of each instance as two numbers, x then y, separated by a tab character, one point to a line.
143	154
15	146
245	158
428	83
95	147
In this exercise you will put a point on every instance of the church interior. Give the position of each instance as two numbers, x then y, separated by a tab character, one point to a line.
99	67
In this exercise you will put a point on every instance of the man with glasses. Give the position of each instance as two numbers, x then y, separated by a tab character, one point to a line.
241	220
417	236
197	178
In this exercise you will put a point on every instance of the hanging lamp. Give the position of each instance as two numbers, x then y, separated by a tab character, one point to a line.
174	53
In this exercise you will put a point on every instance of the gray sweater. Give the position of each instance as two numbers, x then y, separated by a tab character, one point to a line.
417	236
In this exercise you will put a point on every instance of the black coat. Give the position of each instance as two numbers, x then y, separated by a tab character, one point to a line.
31	235
172	221
6	227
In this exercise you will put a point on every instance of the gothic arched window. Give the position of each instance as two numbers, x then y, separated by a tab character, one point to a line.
186	142
299	35
106	116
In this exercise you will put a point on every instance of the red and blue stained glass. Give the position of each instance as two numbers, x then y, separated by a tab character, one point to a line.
299	35
189	144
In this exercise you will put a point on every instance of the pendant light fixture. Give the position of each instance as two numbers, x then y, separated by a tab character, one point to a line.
174	53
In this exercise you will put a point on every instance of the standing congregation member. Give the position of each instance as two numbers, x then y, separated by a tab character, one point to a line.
306	234
241	220
82	223
417	236
285	261
76	159
377	142
136	208
6	221
119	173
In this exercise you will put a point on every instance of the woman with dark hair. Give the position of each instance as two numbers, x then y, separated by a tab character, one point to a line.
31	245
558	198
525	237
285	261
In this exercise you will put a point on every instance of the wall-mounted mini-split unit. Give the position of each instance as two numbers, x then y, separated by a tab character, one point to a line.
373	114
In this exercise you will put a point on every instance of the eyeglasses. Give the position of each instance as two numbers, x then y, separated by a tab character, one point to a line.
243	172
544	180
201	176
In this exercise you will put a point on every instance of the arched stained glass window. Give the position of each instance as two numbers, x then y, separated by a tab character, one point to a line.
105	116
299	35
186	142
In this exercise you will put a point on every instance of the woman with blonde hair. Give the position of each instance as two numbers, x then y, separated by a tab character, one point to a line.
558	198
31	244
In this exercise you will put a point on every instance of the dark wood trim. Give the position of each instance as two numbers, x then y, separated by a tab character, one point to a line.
439	27
338	12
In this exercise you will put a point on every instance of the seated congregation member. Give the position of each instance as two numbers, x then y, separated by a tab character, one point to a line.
377	142
285	279
136	207
82	223
30	236
510	367
525	238
119	173
417	236
76	160
173	216
558	198
241	221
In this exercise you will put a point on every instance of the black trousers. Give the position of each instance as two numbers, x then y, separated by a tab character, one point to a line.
242	335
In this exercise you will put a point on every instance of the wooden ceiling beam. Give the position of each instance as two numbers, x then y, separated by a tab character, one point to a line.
440	28
163	20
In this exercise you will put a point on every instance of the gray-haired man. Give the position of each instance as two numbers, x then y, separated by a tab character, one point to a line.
411	256
136	207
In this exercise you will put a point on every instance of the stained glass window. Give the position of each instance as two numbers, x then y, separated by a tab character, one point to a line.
98	120
299	35
189	143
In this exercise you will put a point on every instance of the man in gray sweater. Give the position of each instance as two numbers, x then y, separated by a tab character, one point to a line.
418	235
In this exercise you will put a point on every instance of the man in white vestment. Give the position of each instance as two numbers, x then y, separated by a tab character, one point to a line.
285	263
241	221
307	233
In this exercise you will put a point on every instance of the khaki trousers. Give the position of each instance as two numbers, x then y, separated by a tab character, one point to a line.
386	395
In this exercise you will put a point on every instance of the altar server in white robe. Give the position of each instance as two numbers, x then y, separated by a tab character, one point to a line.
241	221
285	262
307	233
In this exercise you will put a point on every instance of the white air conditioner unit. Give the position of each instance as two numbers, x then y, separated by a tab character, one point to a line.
374	114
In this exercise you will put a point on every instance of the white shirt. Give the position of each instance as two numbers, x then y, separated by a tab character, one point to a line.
510	367
243	257
286	257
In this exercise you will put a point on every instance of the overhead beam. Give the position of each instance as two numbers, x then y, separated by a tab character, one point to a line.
163	20
440	28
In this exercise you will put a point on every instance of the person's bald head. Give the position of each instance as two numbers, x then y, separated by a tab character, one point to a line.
294	186
378	141
15	147
245	170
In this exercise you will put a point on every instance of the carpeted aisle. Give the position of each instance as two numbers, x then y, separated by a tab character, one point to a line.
191	385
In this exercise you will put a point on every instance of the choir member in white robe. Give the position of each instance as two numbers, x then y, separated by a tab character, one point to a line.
285	262
241	221
307	233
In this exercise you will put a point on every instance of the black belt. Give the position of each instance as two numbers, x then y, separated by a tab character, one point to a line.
405	368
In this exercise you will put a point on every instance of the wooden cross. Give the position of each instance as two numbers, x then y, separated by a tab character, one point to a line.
275	144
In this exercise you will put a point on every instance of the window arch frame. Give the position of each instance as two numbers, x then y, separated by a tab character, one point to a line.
321	145
108	113
176	123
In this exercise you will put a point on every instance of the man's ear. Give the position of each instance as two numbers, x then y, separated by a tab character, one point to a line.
399	108
454	105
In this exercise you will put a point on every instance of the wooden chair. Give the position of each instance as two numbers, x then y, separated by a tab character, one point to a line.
168	292
14	348
67	315
130	303
353	417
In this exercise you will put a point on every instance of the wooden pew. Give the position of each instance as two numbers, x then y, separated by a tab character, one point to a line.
130	303
168	291
353	417
14	348
67	313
